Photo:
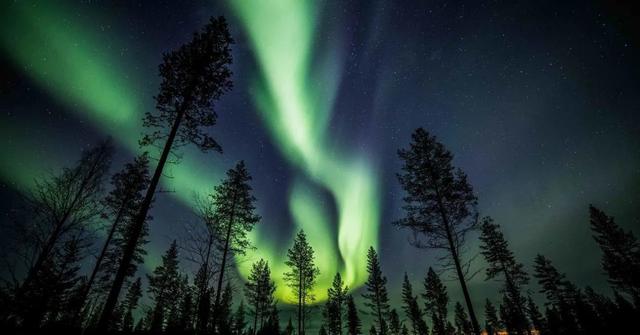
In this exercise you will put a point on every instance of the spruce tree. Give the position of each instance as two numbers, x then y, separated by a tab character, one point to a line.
377	297
394	322
302	275
335	306
502	263
412	309
259	291
130	303
322	330
289	330
354	325
234	218
440	205
554	286
620	253
192	78
121	205
463	325
537	320
164	284
436	302
492	323
223	316
239	319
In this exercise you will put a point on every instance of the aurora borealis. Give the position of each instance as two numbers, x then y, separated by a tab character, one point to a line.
544	117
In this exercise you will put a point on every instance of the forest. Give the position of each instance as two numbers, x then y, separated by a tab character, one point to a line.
47	287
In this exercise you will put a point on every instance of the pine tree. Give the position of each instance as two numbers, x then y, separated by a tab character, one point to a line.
164	286
60	207
121	204
203	304
412	309
554	286
394	322
259	291
436	301
130	303
372	330
64	281
335	306
377	297
492	324
537	320
234	218
224	318
620	253
289	330
354	325
405	330
322	331
440	204
239	321
302	275
502	262
193	77
463	325
186	307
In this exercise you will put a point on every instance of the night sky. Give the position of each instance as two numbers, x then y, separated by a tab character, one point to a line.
538	101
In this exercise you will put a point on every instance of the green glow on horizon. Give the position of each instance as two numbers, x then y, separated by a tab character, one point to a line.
296	101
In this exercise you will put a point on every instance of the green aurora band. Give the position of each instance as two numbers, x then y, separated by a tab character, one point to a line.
295	102
75	65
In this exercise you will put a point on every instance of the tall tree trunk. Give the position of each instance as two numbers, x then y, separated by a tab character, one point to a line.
216	305
138	225
96	268
224	260
456	260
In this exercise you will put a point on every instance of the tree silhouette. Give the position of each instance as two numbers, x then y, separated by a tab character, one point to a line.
440	205
259	290
60	208
412	309
239	319
492	323
394	322
234	218
354	325
193	77
620	253
377	297
502	262
463	325
335	306
436	301
553	284
121	204
130	303
302	275
164	286
537	320
223	316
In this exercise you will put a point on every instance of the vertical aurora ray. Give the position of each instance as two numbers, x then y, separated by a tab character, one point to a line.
295	100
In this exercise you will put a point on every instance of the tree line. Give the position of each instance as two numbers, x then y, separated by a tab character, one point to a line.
47	289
